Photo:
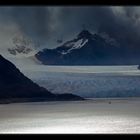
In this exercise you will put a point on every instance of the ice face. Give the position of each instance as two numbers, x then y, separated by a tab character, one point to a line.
87	81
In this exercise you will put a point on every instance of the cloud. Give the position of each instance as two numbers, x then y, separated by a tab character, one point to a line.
46	24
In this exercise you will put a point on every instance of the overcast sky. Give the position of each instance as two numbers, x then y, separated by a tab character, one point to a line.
47	24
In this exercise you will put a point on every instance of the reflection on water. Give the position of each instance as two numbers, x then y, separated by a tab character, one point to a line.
92	116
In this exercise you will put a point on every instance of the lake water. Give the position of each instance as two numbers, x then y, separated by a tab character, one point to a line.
90	116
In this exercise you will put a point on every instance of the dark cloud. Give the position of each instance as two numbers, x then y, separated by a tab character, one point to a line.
46	24
33	21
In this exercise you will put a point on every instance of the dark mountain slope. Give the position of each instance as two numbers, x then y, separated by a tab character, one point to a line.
13	84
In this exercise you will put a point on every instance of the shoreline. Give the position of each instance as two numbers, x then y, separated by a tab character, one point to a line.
43	100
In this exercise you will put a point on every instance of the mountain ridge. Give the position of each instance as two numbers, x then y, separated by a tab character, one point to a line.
89	49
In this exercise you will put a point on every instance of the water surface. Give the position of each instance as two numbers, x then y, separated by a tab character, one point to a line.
91	116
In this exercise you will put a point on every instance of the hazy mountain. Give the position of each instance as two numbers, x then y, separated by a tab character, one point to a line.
14	85
22	46
89	49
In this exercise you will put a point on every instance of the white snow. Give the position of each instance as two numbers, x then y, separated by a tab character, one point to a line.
75	45
78	44
69	44
64	52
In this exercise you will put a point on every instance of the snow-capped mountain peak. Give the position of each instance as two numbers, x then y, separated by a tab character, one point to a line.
87	49
80	41
75	45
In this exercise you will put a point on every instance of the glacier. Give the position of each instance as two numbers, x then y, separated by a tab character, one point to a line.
85	81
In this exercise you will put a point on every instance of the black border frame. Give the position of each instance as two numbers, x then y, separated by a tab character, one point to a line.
69	3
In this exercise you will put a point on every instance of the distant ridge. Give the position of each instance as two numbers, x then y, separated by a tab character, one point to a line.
90	49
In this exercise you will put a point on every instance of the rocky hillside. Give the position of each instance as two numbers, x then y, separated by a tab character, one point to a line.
14	85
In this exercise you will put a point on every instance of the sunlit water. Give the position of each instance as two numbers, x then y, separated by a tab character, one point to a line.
91	116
